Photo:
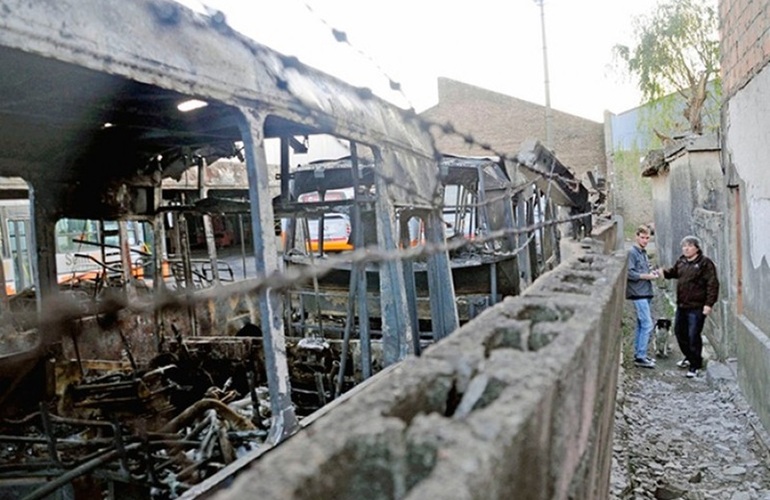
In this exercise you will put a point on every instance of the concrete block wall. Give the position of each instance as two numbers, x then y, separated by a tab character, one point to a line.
519	402
753	351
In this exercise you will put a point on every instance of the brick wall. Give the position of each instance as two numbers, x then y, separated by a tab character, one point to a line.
506	122
745	41
745	30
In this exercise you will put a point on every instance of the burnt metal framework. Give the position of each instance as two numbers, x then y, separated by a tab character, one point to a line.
495	229
540	166
89	119
478	217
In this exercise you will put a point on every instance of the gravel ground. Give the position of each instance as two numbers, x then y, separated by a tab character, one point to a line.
685	438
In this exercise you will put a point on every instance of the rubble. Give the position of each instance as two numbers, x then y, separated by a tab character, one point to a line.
161	428
686	438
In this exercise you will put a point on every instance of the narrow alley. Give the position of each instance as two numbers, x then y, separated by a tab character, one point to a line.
677	437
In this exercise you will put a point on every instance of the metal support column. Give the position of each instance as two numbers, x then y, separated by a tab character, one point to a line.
482	202
208	228
531	235
44	242
396	331
410	284
443	310
525	269
359	270
158	280
184	248
284	421
125	260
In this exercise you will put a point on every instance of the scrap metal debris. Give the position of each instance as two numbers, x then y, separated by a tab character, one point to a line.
164	428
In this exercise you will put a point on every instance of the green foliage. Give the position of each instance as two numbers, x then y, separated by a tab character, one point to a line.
629	230
631	194
677	52
665	114
713	105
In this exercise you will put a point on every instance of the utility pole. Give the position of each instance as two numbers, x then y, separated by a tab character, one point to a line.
548	134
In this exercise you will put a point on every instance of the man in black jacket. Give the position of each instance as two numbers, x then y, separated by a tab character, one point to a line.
697	290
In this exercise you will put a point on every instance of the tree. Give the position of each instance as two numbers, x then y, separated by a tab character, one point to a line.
676	51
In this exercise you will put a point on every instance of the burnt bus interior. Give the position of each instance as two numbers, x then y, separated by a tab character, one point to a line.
79	371
93	146
160	367
212	312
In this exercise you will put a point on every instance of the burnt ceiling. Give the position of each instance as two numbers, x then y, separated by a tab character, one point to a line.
63	122
76	134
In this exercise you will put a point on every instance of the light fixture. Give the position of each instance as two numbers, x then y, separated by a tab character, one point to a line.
190	105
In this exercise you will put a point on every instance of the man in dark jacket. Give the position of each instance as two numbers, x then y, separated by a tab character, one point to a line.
639	291
697	290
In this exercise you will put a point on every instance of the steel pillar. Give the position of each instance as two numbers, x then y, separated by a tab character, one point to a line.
443	310
284	421
396	330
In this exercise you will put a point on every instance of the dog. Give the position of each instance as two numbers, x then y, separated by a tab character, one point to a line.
662	333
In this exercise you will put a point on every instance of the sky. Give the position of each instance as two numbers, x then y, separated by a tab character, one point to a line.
493	44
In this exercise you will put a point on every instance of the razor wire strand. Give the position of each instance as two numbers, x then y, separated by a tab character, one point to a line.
340	36
66	308
447	128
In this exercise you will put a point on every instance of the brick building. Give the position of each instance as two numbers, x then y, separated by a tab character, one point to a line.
745	49
505	122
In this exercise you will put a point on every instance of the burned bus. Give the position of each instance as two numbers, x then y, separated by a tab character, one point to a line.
166	382
485	218
102	102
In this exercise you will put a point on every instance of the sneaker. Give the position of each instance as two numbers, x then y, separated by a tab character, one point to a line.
644	362
691	373
683	363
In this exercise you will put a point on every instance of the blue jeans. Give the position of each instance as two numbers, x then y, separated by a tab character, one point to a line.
688	325
643	327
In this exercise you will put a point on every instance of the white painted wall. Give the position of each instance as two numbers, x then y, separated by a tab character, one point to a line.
749	145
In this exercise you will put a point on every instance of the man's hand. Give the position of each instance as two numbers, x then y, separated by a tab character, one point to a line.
706	310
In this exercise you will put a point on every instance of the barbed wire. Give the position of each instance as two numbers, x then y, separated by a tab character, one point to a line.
447	128
64	307
61	313
341	36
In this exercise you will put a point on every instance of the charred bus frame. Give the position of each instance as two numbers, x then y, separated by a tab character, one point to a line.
90	120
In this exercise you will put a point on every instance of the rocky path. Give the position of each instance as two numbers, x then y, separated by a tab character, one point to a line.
686	438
